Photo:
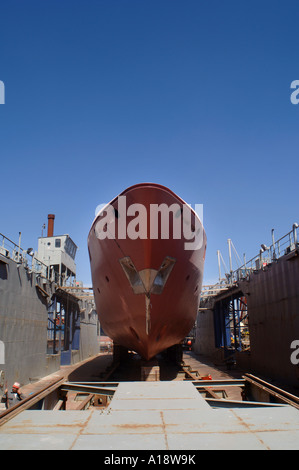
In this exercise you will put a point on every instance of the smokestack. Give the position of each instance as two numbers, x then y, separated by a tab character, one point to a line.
51	218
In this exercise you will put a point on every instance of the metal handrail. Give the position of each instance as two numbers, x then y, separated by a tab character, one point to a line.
27	258
278	248
15	252
284	245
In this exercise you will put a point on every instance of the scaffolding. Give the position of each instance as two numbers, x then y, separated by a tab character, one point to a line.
231	323
63	334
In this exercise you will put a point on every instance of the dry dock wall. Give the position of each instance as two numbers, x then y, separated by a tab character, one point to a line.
205	336
272	295
23	325
273	309
24	302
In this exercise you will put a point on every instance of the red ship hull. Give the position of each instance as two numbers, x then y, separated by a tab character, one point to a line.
146	283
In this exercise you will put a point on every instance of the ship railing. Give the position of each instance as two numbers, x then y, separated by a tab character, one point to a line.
26	258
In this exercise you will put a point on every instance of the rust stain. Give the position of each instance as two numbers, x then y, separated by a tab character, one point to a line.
164	430
247	426
83	426
137	426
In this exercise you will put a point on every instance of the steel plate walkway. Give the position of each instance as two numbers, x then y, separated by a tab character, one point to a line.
155	416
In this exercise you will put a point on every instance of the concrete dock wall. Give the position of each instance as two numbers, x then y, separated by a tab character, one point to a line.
205	335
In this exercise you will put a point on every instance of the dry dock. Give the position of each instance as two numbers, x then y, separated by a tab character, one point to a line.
236	389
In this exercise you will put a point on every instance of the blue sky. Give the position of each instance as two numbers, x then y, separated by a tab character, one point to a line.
194	95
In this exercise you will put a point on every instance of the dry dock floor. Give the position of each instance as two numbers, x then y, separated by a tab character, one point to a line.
165	415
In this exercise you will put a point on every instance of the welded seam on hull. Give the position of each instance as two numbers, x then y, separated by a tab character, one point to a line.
147	314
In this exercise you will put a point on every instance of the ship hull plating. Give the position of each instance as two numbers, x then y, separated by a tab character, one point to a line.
146	280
